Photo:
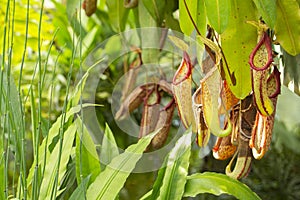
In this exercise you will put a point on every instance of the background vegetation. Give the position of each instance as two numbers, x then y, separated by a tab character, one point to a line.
46	151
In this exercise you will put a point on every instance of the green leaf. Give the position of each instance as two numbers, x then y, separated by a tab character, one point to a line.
55	128
218	12
19	33
52	167
170	20
150	37
158	182
154	193
118	14
61	21
87	162
287	27
217	184
198	14
146	196
156	8
267	9
172	185
185	23
79	192
291	70
109	182
177	159
288	108
238	40
201	17
286	137
109	147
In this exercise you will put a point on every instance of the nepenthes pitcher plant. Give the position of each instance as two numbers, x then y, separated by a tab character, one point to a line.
243	127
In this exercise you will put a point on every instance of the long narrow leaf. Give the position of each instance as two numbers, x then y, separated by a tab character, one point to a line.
80	191
157	184
54	130
87	161
218	12
111	180
118	14
172	186
109	147
287	27
150	47
52	163
217	184
156	8
267	9
197	13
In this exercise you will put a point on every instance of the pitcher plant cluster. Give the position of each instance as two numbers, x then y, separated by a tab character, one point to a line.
241	119
243	127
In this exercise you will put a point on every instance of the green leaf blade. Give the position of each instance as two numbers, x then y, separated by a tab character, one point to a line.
109	147
288	114
109	182
238	40
217	184
172	185
52	167
218	13
118	14
79	192
267	9
287	27
87	162
156	8
150	46
198	14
